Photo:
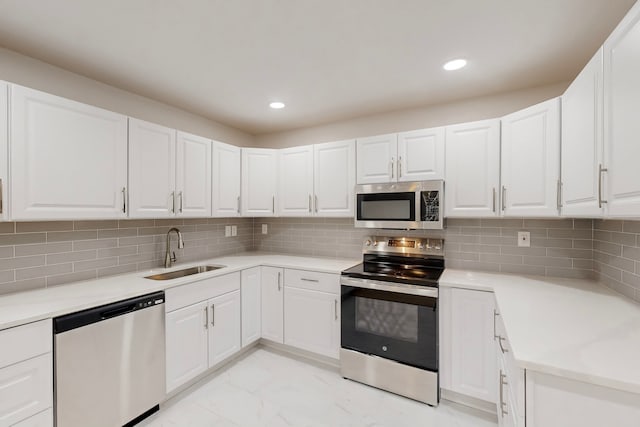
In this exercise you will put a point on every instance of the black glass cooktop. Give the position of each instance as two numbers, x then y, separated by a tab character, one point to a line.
399	269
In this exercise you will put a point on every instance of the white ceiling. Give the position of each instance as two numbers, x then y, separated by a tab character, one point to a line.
326	59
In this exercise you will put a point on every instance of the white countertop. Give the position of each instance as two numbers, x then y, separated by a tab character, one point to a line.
576	329
24	307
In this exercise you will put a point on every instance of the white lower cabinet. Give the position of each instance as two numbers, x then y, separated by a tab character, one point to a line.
312	312
224	330
272	304
251	305
42	419
467	352
202	326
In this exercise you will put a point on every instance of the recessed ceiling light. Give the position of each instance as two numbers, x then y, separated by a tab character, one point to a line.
456	64
277	105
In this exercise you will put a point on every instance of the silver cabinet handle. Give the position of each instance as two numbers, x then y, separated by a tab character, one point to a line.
502	383
124	199
335	308
173	202
500	339
213	315
392	162
273	204
238	204
600	172
400	167
494	199
559	194
309	203
495	315
316	203
180	196
1	201
279	276
309	280
504	197
206	317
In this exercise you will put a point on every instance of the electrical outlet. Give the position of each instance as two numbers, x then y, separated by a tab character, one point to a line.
234	230
524	239
227	230
264	228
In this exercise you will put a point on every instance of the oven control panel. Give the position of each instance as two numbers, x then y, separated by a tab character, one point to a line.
403	245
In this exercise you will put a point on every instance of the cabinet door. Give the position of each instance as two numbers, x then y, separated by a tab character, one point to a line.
473	169
42	419
272	304
4	150
582	150
193	178
296	181
421	155
224	330
251	299
226	180
467	350
531	161
68	160
376	159
152	170
259	181
334	178
621	124
312	321
186	344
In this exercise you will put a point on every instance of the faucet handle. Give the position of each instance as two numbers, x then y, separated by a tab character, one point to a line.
173	257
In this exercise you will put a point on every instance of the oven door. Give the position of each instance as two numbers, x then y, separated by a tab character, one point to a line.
380	319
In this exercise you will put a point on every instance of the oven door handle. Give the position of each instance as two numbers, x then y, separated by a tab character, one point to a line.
423	291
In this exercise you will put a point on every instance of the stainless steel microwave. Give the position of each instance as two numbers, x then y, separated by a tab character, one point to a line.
404	205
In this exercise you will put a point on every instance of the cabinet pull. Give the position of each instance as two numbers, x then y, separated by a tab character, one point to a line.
504	197
392	162
206	317
502	383
400	167
494	199
279	276
180	195
173	202
238	204
335	309
1	201
124	200
495	315
504	350
309	203
273	204
309	280
600	171
559	194
316	203
213	315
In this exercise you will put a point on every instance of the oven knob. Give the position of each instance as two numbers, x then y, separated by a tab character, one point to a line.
368	242
420	246
384	348
375	243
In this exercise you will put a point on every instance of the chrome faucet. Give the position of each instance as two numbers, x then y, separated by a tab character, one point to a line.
168	258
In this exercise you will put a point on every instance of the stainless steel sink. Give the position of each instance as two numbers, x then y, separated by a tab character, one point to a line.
186	272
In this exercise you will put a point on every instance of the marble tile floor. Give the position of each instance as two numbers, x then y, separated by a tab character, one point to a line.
266	388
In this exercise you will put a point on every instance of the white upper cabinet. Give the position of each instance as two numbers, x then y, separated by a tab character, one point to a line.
226	180
334	178
4	149
621	123
296	181
531	161
582	150
376	160
421	155
193	176
473	169
68	159
259	181
152	173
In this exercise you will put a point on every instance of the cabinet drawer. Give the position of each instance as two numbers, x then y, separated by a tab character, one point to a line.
43	419
24	342
195	292
26	388
312	280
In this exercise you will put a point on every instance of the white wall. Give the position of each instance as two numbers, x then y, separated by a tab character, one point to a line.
30	72
486	107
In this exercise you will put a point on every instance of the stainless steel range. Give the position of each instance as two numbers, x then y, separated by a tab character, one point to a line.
390	316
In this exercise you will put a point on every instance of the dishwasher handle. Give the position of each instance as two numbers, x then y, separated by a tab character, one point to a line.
105	312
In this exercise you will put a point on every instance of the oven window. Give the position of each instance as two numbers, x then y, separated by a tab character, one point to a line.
387	319
387	206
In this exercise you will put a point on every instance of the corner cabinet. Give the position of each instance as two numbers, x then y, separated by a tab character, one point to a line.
68	159
226	180
582	146
621	124
531	161
473	169
4	150
295	185
334	165
259	182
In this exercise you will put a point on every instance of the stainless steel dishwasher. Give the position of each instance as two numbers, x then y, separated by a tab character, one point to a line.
110	363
